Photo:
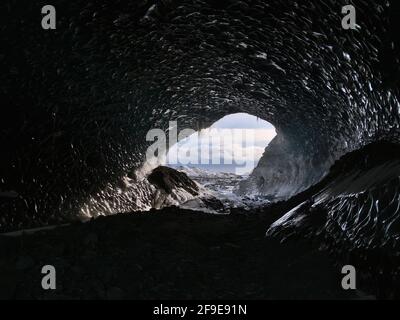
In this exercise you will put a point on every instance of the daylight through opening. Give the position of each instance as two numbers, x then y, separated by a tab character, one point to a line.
205	169
234	144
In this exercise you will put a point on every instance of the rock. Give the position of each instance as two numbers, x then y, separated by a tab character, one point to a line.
213	203
169	179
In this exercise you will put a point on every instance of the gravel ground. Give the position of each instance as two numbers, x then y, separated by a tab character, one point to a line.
166	254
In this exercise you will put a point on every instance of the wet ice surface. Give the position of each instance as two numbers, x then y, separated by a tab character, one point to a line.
223	186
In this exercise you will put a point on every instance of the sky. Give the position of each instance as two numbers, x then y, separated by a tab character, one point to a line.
235	143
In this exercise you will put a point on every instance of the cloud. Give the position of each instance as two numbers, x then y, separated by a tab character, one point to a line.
223	144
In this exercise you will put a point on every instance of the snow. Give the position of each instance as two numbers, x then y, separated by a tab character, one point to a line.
223	186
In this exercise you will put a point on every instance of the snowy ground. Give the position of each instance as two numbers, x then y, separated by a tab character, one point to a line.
223	186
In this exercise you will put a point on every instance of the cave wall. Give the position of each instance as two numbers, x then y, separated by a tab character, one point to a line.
285	169
80	99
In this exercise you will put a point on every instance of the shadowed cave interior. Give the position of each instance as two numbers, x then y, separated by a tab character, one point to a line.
80	100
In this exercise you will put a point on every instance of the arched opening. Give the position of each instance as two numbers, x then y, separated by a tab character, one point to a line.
218	158
233	144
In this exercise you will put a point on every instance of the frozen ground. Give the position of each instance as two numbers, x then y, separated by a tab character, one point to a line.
223	186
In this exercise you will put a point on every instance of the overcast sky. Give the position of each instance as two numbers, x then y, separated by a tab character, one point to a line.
240	156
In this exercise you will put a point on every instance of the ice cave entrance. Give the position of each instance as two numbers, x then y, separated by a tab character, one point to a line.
232	145
219	159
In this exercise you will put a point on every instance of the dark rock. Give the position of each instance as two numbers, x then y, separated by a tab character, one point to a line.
168	179
213	203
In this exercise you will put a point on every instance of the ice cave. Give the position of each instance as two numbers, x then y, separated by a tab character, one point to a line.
79	100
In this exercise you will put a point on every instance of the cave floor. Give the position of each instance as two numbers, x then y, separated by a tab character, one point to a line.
168	254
